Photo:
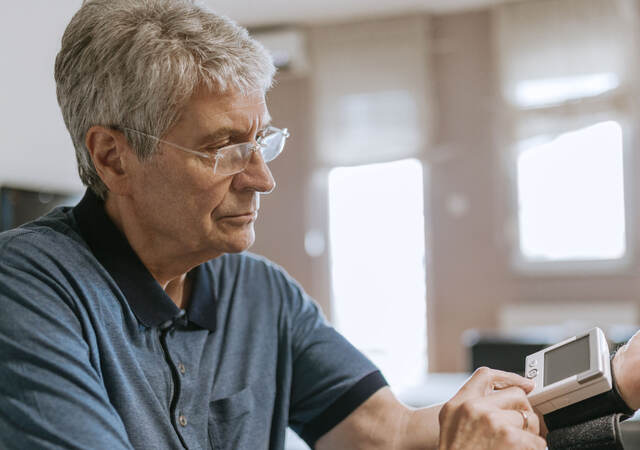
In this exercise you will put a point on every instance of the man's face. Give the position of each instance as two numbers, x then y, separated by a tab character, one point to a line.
178	200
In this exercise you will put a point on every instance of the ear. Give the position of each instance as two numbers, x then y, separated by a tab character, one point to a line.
109	151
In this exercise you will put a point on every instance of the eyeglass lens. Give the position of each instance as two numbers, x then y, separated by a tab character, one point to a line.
237	158
272	145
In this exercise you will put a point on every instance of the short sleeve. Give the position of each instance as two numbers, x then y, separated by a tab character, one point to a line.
51	396
331	378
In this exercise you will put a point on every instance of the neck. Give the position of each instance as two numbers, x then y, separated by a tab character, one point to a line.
179	290
167	264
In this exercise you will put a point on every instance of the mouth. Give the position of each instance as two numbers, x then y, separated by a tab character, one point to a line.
250	216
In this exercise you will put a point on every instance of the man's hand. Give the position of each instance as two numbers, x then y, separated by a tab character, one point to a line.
626	371
489	412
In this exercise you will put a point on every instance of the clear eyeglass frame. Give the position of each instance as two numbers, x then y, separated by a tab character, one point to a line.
234	158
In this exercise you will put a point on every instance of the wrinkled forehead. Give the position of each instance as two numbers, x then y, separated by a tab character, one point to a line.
234	106
207	112
249	110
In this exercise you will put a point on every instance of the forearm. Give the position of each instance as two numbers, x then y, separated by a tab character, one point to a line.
384	423
422	429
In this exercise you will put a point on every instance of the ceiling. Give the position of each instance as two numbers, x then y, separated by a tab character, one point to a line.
280	12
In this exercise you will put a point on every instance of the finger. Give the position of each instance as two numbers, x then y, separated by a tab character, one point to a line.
543	426
511	438
509	398
485	380
515	400
529	441
533	442
520	419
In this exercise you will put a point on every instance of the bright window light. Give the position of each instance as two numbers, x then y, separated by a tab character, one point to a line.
571	196
552	91
377	265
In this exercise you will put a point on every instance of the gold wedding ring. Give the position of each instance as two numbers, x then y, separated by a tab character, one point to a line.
525	419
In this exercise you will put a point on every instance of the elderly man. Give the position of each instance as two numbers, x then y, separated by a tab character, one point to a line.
134	321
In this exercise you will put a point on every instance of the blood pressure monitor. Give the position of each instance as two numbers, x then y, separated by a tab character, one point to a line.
569	372
575	391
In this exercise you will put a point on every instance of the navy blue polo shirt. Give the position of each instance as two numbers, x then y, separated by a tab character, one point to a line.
95	355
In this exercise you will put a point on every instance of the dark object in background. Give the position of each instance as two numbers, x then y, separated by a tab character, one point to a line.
501	351
18	206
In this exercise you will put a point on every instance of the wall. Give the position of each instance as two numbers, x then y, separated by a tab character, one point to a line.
35	148
468	267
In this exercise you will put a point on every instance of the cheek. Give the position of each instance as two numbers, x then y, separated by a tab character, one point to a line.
188	177
181	192
200	198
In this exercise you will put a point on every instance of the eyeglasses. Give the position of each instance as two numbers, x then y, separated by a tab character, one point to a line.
234	158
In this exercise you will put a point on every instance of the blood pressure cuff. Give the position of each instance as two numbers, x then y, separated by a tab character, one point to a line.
601	405
602	433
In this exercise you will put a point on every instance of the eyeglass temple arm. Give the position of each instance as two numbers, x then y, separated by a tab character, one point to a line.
184	149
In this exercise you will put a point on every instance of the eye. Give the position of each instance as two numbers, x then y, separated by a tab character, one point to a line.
213	148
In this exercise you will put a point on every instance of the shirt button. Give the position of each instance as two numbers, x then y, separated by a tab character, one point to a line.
182	420
182	368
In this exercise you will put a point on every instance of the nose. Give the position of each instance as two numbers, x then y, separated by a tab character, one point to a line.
256	176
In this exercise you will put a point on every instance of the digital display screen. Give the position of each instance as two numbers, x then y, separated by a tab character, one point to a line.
567	360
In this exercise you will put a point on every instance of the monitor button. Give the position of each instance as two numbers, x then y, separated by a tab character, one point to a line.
532	373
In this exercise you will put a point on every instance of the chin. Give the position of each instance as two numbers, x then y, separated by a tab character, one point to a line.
239	243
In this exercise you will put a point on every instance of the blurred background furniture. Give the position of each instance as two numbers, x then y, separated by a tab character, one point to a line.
18	205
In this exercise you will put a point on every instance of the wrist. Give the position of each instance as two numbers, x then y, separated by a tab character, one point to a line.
420	429
620	378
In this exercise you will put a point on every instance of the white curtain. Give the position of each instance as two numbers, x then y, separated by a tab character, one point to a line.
563	49
371	90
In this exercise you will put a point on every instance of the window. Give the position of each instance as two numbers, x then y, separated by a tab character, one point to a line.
565	81
571	196
555	91
377	264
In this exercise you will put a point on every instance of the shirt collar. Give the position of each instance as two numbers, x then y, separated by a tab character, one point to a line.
148	301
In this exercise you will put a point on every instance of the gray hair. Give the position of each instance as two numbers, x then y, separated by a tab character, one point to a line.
136	64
